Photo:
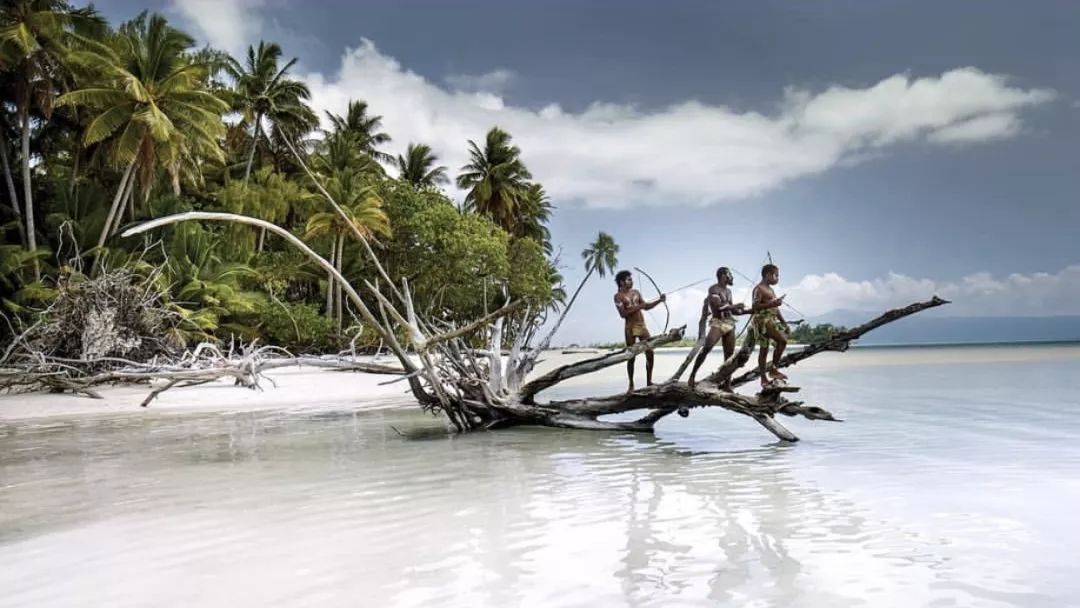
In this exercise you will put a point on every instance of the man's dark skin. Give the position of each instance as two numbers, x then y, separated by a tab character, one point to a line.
772	330
629	303
721	324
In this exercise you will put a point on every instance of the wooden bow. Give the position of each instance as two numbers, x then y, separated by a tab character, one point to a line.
667	310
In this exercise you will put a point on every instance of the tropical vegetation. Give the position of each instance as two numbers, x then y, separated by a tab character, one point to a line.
103	126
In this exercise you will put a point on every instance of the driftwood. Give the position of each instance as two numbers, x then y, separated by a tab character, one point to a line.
485	389
246	366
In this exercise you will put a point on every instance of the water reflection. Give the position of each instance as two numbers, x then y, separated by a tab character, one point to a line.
338	508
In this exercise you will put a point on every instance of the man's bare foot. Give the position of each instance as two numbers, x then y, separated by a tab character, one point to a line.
777	375
630	389
726	387
766	382
691	382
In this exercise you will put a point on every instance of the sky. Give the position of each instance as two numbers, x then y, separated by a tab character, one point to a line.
881	151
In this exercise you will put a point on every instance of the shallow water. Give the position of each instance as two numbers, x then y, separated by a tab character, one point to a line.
952	482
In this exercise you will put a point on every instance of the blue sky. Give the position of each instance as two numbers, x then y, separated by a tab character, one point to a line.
882	151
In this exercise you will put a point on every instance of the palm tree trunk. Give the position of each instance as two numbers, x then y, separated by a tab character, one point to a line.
339	304
106	230
129	202
15	206
28	197
254	144
74	171
330	286
125	201
558	323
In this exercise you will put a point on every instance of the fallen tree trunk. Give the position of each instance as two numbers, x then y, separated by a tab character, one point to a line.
662	400
492	391
202	365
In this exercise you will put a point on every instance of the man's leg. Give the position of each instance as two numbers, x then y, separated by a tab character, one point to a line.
729	350
780	341
762	360
648	362
630	364
710	341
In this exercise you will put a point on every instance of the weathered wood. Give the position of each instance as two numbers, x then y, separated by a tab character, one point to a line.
659	401
703	324
474	393
588	366
841	341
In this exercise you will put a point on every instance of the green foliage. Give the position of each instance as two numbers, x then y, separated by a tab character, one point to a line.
806	333
418	167
602	255
298	327
455	261
124	124
530	272
496	179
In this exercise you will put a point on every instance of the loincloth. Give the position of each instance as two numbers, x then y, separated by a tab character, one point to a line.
637	330
726	326
763	322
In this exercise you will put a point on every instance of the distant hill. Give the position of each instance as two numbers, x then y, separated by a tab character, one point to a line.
926	329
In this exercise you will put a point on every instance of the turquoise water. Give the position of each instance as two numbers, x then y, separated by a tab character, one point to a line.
952	482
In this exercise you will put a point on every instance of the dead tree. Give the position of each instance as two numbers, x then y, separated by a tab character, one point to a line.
446	375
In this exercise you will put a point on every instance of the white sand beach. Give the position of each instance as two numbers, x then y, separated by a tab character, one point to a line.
310	388
288	388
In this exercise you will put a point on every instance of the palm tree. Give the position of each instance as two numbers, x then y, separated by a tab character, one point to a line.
34	39
496	179
150	103
338	153
264	92
8	181
601	257
269	196
533	215
417	166
362	129
357	197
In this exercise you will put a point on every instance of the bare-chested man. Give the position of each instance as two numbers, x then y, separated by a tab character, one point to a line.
629	303
722	323
769	325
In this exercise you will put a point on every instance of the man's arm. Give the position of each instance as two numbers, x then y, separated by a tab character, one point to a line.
761	303
719	306
650	305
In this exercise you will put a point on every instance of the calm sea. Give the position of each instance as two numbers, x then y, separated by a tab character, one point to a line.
954	481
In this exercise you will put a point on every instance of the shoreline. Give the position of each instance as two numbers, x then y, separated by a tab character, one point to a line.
306	388
297	388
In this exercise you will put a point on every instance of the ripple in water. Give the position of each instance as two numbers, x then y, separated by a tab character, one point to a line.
947	486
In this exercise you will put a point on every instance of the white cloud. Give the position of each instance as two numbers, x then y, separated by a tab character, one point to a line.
492	82
981	294
980	128
690	153
230	25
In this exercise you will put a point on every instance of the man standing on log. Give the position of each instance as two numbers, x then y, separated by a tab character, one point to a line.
722	323
629	303
769	325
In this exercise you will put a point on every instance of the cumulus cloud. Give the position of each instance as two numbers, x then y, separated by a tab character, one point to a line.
976	295
230	25
491	82
691	153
